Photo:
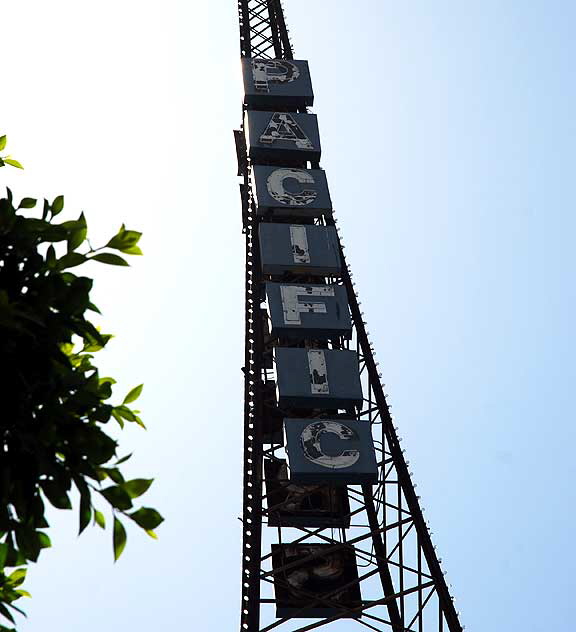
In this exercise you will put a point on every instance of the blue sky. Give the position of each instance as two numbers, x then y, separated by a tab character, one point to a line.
448	136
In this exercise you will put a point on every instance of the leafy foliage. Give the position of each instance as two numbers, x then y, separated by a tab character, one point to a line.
55	405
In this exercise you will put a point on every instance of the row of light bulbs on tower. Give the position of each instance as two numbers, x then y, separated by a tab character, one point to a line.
373	350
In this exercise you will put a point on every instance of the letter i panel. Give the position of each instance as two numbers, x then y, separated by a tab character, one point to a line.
310	250
304	311
291	192
334	451
279	136
317	378
274	82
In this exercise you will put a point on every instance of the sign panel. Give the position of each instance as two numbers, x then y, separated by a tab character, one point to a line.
272	416
336	451
300	249
303	311
279	136
298	505
317	378
291	191
315	581
277	82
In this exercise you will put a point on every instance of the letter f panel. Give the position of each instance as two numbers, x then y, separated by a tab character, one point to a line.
308	311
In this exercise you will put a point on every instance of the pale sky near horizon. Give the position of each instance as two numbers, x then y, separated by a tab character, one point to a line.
448	132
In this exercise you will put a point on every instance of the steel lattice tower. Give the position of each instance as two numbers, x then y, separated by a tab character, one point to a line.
403	585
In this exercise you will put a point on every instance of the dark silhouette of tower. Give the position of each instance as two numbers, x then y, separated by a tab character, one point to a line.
332	526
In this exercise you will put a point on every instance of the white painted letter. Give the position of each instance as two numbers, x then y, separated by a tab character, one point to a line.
310	442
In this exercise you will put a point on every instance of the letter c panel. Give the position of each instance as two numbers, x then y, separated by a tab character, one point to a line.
338	451
291	192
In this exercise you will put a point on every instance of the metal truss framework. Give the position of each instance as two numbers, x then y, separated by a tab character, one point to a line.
403	585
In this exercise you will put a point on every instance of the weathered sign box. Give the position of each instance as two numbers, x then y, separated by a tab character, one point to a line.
276	82
305	573
278	136
290	191
300	249
302	311
332	451
296	505
317	378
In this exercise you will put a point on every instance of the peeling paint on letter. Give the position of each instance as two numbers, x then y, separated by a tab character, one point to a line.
299	241
318	372
275	185
310	442
267	71
283	126
293	306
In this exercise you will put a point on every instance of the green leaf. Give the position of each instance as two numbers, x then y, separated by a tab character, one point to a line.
6	613
17	577
112	259
124	239
147	518
119	538
3	554
133	395
118	418
117	497
99	519
57	205
93	308
133	250
27	203
123	459
2	142
14	163
125	413
115	475
139	422
137	486
77	238
43	539
56	494
70	260
78	234
51	257
23	593
85	509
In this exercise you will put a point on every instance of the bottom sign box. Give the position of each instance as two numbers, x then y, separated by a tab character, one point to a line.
332	451
293	505
315	581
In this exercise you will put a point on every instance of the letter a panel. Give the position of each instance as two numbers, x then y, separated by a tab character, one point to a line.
282	136
273	82
291	192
